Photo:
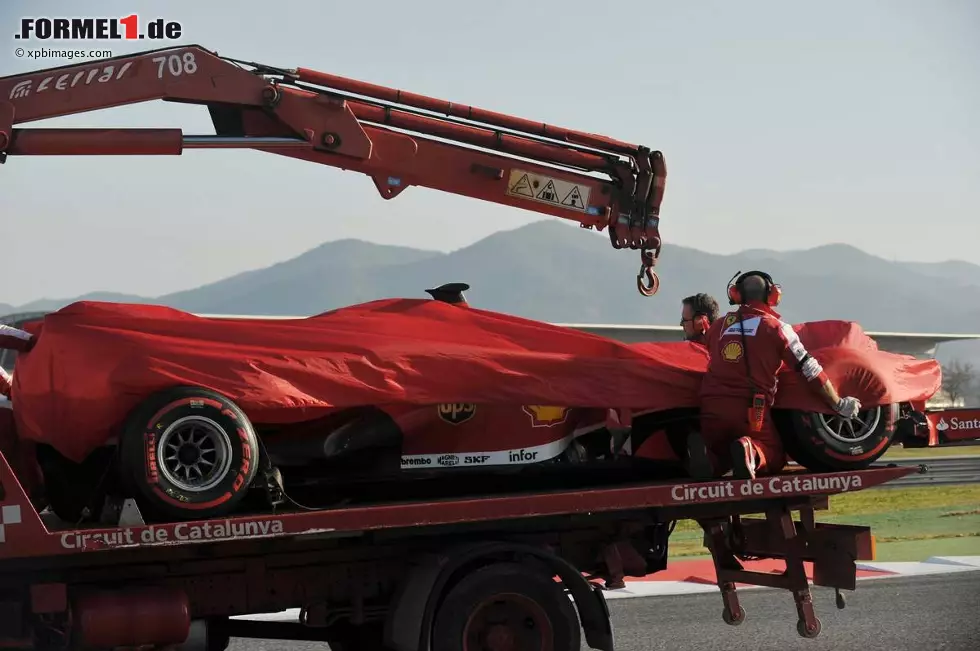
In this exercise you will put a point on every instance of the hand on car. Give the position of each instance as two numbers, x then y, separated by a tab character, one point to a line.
848	407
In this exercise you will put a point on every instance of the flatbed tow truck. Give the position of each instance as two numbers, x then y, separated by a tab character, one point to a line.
495	571
482	570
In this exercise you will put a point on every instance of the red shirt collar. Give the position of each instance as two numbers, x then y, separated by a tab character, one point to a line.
759	306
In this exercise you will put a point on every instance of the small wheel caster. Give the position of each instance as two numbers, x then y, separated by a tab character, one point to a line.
839	600
733	619
806	632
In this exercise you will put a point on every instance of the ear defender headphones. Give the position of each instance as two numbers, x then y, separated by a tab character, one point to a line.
774	292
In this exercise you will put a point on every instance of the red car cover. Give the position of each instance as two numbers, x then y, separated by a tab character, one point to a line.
94	362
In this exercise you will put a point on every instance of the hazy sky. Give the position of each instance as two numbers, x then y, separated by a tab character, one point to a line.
784	125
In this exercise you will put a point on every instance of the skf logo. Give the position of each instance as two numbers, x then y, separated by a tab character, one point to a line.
456	413
732	351
546	416
102	29
476	460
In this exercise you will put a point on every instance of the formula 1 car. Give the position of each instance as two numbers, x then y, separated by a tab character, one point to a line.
187	414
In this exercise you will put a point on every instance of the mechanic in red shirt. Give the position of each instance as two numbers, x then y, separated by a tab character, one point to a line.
698	312
12	339
748	348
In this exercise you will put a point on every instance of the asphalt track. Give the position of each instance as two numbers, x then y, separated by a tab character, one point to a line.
924	613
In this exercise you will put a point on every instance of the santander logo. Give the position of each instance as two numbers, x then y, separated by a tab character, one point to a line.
958	424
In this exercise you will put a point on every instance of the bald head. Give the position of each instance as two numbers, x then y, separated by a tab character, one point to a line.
754	289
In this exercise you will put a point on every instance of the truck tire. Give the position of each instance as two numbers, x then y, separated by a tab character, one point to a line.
188	453
825	443
510	602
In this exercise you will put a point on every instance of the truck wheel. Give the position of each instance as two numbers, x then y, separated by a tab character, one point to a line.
506	606
827	443
188	453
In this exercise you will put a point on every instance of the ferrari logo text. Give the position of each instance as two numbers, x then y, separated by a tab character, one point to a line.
456	413
67	81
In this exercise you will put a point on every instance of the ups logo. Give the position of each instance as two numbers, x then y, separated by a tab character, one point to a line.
456	413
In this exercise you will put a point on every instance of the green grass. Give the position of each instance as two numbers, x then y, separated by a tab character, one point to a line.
925	453
909	524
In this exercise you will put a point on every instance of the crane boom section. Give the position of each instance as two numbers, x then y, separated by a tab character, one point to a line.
398	139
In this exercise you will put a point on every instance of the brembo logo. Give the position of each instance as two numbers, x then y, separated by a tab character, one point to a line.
128	28
68	80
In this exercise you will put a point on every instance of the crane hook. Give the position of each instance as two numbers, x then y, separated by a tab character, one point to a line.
647	280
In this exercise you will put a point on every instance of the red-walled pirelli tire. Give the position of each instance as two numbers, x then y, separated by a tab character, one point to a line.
506	606
828	443
188	453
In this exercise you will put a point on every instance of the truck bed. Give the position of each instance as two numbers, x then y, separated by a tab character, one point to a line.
24	535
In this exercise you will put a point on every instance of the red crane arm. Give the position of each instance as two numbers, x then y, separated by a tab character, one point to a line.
396	138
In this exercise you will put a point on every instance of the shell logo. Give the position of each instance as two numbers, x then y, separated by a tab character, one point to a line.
546	415
732	351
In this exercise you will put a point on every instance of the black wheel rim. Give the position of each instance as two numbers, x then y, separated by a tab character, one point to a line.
508	622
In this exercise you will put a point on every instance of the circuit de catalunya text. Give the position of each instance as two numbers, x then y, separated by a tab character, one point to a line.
184	532
689	493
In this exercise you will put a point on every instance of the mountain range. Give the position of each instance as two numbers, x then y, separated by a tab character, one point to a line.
554	271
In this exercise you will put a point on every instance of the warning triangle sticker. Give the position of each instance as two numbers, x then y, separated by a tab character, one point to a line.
549	193
523	186
574	199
